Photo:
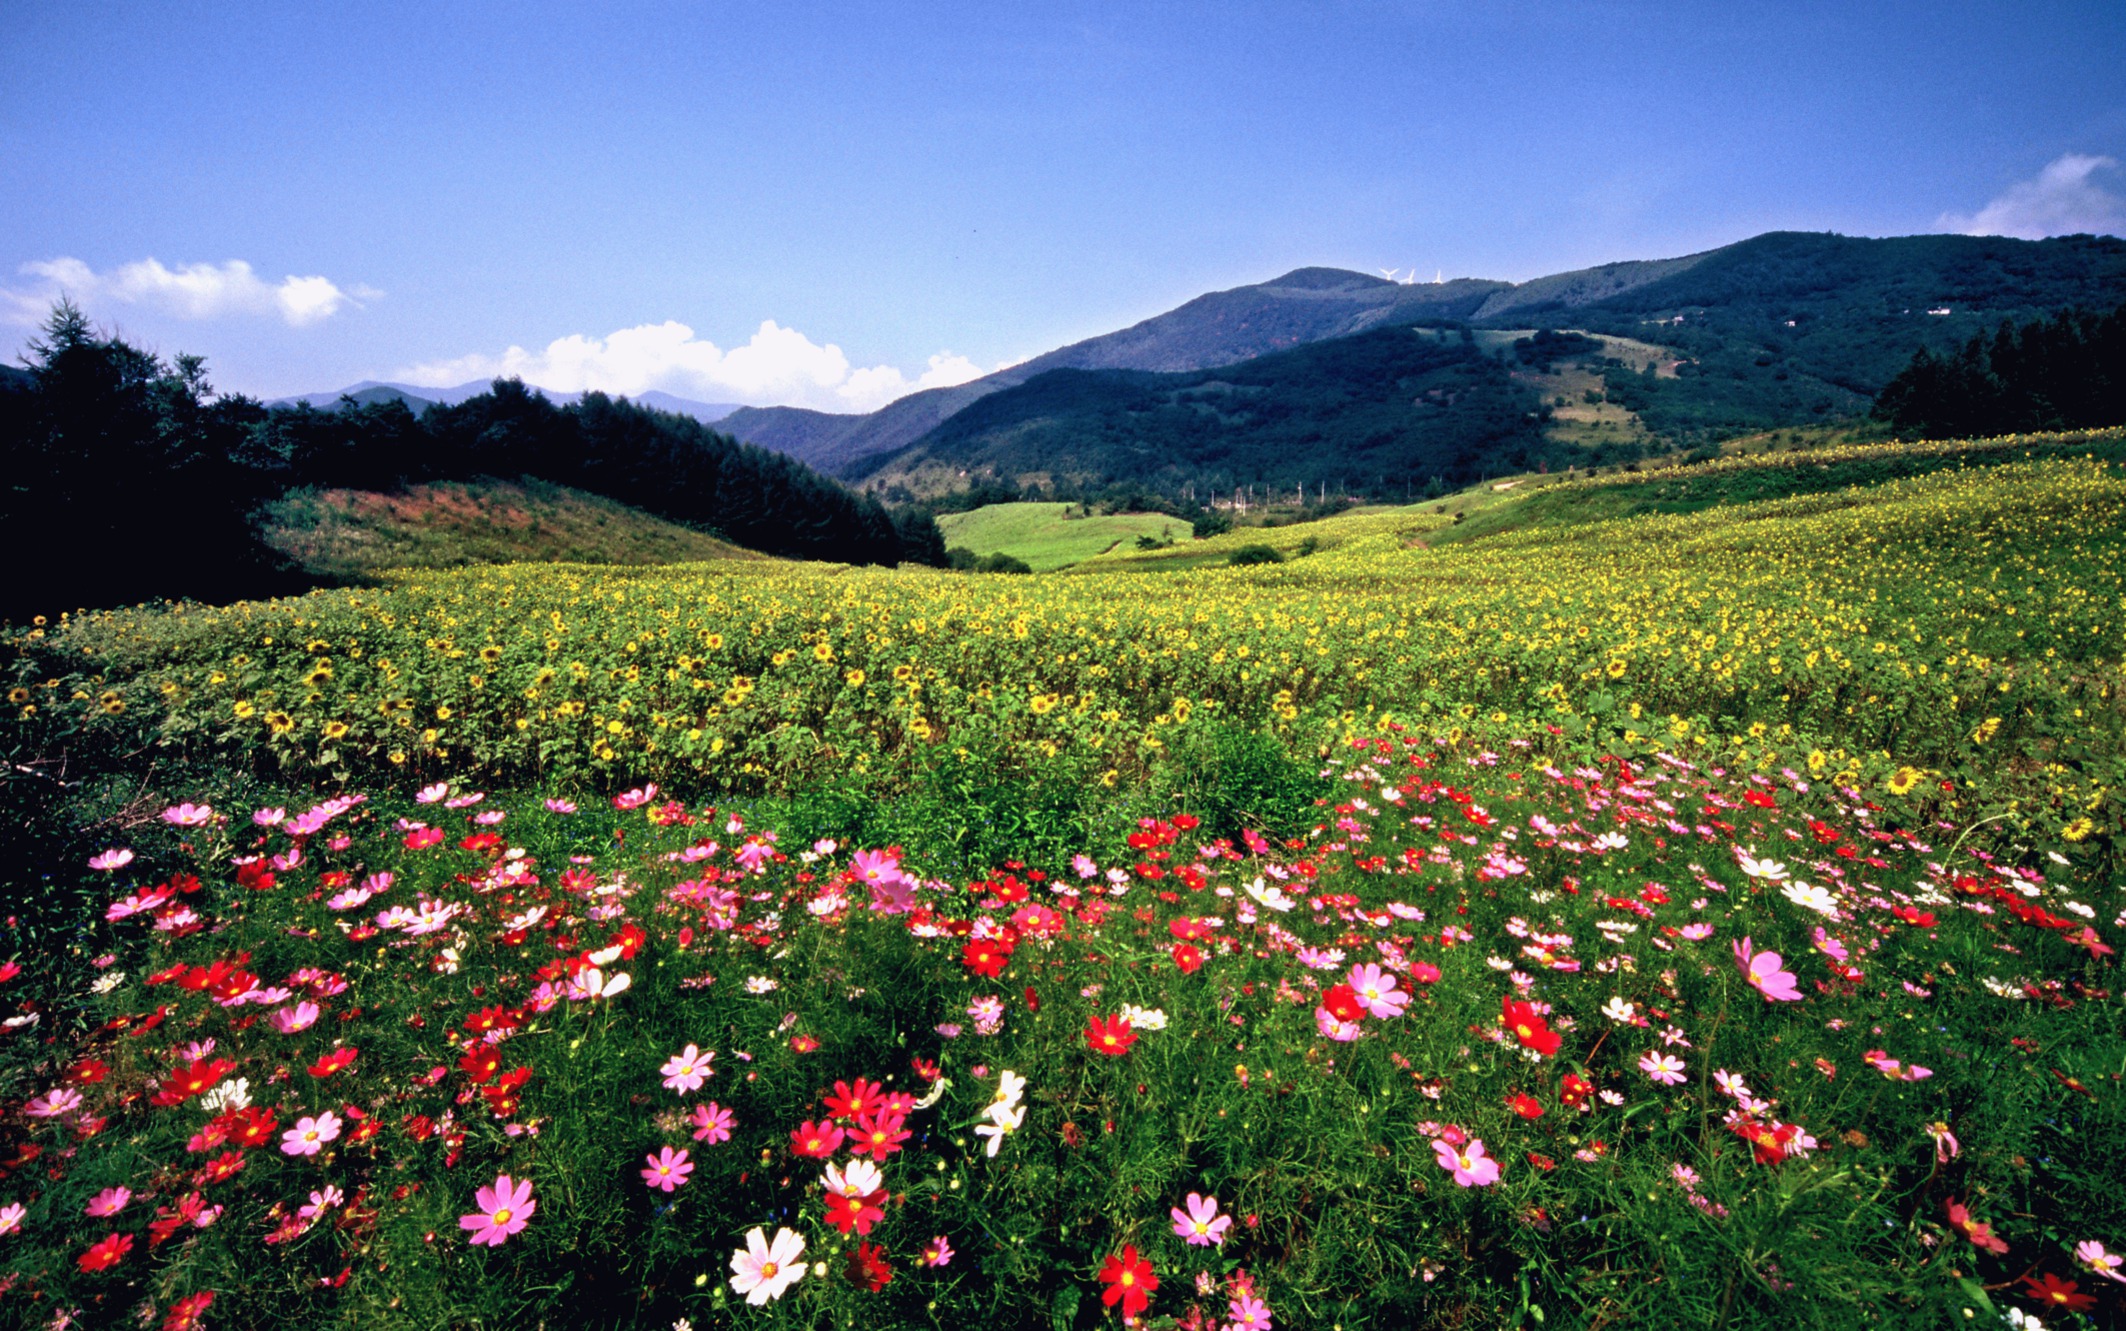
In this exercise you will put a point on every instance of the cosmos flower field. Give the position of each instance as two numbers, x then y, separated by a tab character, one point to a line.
1355	943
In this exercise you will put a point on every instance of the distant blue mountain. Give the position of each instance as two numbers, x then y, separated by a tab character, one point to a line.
418	399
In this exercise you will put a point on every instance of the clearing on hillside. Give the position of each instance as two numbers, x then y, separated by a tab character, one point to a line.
1047	535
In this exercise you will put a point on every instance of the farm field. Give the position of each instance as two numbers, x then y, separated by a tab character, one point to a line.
1046	537
1693	918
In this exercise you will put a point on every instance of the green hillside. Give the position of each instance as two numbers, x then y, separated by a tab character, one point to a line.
351	535
1048	536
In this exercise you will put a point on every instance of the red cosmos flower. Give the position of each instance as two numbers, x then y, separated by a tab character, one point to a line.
1767	1140
185	1314
220	1169
1188	931
493	1019
1129	1281
255	875
88	1072
196	1079
817	1140
1110	1035
853	1102
879	1135
927	1070
2054	1292
1526	1025
859	1213
1978	1231
1574	1090
1033	1000
1187	960
868	1268
248	1128
480	1063
1342	1003
986	957
629	940
109	1252
1527	1106
1541	1161
333	1062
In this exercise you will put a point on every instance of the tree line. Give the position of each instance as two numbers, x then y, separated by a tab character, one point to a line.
2067	372
128	478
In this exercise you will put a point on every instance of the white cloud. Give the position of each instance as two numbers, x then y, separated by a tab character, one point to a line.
2061	201
779	366
189	291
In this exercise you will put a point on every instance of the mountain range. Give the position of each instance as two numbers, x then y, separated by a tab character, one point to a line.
371	392
1786	328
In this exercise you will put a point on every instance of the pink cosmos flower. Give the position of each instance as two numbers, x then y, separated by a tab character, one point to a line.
712	1123
1248	1312
1377	991
188	815
1470	1166
1946	1147
108	1202
320	1202
937	1252
560	806
430	794
65	1100
111	861
289	1020
1762	970
268	817
505	1209
686	1070
1327	1023
1663	1068
668	1169
1200	1225
2092	1257
309	1135
11	1218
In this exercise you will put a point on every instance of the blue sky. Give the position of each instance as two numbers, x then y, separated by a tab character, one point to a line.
830	204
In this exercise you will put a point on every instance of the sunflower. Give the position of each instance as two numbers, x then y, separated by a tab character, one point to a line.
335	729
1903	780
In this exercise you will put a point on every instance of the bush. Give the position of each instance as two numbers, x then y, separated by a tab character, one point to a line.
1256	554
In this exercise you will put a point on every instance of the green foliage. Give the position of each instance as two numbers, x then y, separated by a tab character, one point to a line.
1255	554
2068	372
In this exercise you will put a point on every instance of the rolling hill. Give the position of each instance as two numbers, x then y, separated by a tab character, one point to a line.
1786	328
371	392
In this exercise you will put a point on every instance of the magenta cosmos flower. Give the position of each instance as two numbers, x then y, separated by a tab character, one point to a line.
668	1169
1762	970
686	1070
1469	1165
109	1202
505	1209
712	1123
1200	1225
1663	1068
309	1135
1376	990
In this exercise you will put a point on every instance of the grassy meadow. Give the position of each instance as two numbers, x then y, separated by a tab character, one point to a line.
1048	536
1701	917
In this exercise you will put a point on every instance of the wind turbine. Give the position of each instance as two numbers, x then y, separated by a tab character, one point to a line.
1388	273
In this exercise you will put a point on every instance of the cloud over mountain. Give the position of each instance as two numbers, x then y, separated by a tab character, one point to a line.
2061	200
199	291
778	365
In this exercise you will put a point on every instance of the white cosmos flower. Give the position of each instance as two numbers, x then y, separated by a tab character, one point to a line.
1811	897
1768	869
1616	1009
762	1271
1002	1123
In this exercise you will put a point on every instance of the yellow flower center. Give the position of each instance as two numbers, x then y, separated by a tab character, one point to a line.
501	1217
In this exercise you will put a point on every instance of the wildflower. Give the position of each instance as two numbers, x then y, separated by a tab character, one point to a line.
868	1267
188	815
185	1314
668	1169
1979	1232
333	1062
309	1135
111	861
1527	1026
2054	1292
320	1202
937	1252
879	1135
712	1123
1527	1106
52	1104
1663	1068
1200	1225
1129	1281
1616	1009
290	1020
107	1252
1144	1018
1250	1313
1003	1121
108	1202
1767	869
1762	970
762	1271
686	1070
857	1211
1112	1036
11	1218
2093	1258
1809	896
817	1140
1188	959
1376	991
1469	1165
502	1210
